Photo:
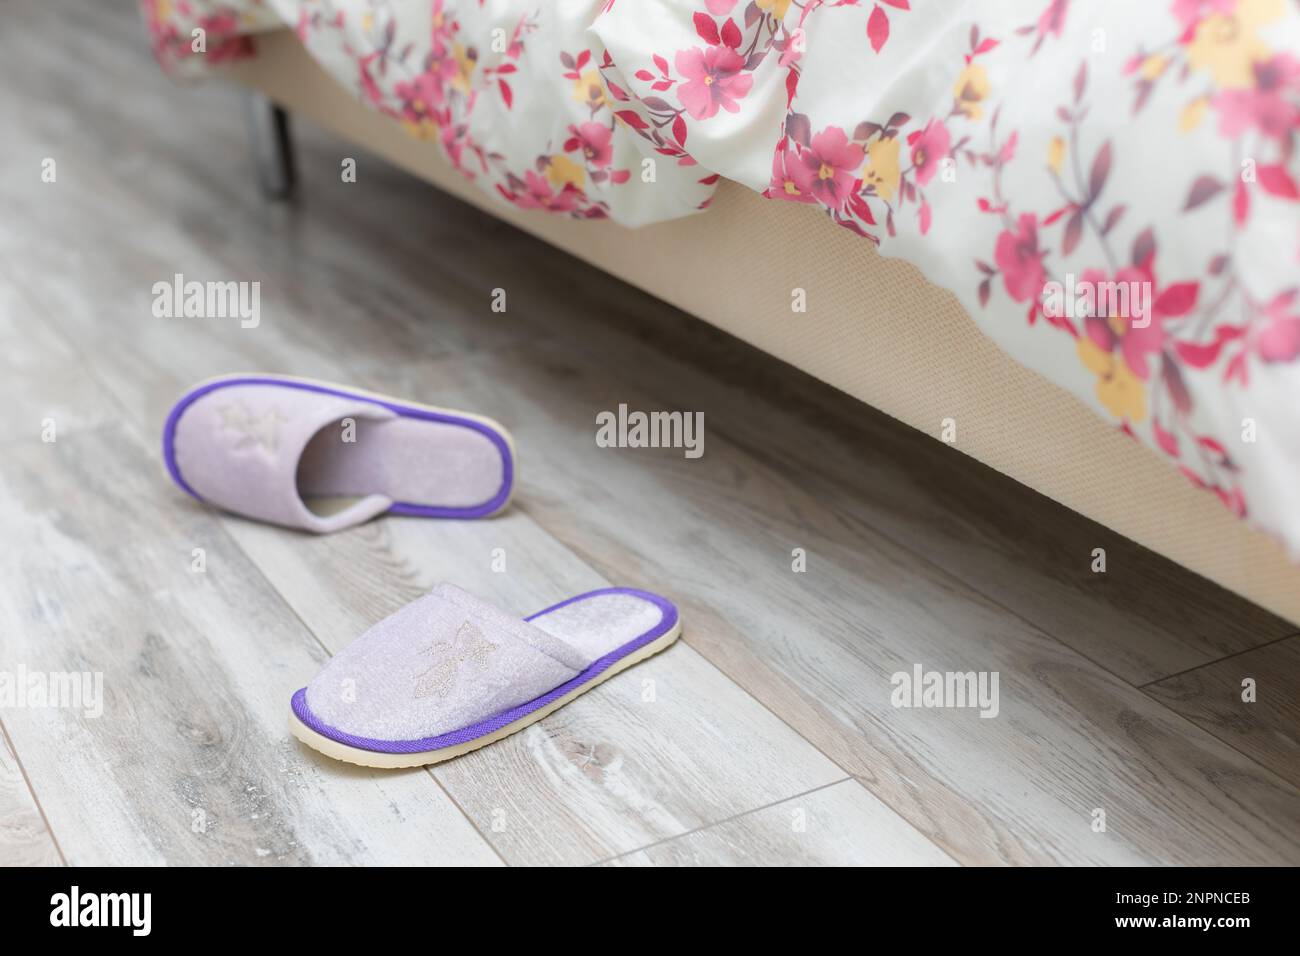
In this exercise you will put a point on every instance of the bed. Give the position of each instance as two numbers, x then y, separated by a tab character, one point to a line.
1061	237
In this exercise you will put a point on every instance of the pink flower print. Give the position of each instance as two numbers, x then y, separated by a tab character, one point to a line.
441	65
537	194
223	24
595	141
1021	261
1109	332
1191	12
442	27
929	146
793	49
1277	337
1279	341
714	79
826	167
1053	18
453	141
1267	104
790	178
419	97
1140	339
374	94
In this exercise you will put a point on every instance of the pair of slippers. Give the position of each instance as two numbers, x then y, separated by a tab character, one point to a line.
449	672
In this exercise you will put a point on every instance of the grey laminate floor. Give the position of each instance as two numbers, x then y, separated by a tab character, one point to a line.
766	736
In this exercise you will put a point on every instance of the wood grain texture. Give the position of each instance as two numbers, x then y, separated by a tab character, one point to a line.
782	684
1267	729
1028	553
670	746
1144	619
1014	545
45	387
819	648
146	362
839	825
190	761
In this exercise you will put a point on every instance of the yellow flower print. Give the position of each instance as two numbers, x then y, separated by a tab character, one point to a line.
882	169
562	170
421	129
587	89
1056	154
464	67
971	89
1228	45
1193	113
1153	66
1120	392
778	8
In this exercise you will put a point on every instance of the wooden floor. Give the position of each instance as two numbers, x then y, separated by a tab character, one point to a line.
770	737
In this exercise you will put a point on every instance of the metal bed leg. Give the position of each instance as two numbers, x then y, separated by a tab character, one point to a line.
272	146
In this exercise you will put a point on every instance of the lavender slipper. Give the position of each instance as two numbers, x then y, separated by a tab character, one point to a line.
324	457
450	673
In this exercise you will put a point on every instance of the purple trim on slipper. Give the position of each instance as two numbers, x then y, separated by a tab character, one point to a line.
505	718
397	507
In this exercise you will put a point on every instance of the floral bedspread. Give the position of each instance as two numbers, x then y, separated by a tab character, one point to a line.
1109	186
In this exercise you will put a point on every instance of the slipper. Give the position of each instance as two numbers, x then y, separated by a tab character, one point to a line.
322	457
450	673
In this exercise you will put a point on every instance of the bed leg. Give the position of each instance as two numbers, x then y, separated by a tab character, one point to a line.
272	146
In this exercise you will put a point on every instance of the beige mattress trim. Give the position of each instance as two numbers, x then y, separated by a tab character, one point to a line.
873	328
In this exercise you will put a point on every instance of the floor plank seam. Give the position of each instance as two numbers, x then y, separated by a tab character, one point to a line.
36	800
729	437
894	810
354	299
220	523
717	823
261	572
960	581
1182	718
685	638
993	601
128	423
1217	660
465	813
838	483
1213	732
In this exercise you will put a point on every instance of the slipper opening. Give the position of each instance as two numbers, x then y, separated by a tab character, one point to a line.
414	461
